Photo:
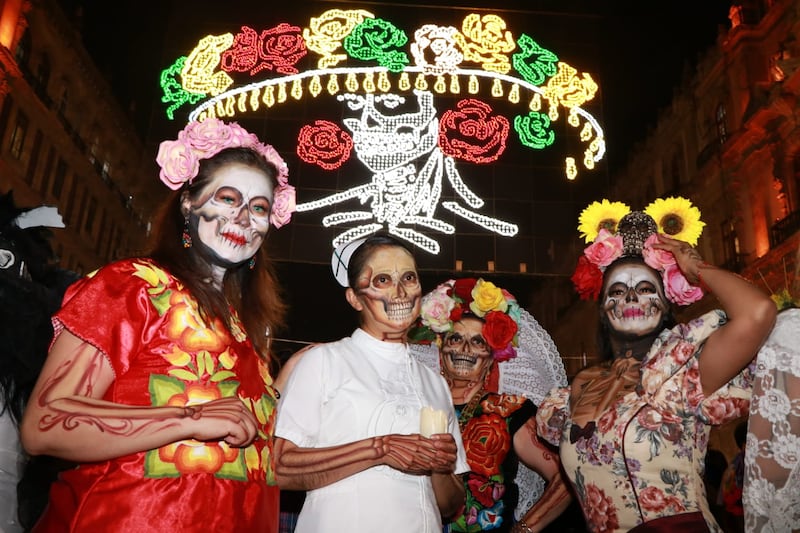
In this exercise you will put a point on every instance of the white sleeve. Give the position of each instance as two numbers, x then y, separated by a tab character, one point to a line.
300	407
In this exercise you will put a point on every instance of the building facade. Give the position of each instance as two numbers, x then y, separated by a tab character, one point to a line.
729	142
65	142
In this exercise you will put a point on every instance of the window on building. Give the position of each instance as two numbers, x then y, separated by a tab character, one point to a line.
18	135
91	213
59	177
43	73
23	51
62	103
30	173
730	246
5	114
78	213
47	175
721	118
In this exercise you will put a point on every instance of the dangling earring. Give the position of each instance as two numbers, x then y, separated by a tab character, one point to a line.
252	263
186	239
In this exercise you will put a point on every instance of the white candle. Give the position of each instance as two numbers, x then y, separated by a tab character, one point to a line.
432	421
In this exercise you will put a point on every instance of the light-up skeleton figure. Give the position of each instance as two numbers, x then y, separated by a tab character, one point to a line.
407	165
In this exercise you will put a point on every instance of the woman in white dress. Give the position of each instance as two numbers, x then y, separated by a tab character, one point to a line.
771	493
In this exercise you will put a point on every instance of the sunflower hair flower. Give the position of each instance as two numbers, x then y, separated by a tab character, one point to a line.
677	217
601	215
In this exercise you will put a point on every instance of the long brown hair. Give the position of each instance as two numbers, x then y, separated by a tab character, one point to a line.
254	294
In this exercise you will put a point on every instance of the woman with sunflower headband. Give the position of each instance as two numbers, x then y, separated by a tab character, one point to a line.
158	381
633	430
497	361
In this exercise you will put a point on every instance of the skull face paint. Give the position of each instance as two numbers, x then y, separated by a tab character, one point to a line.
233	218
634	300
465	353
389	292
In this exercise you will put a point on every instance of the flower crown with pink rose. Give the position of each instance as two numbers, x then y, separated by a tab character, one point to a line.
615	231
457	298
180	160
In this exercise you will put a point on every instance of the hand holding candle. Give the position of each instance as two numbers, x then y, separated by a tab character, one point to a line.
432	421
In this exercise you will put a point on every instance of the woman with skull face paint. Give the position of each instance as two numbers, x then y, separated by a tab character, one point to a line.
158	381
475	326
348	428
633	430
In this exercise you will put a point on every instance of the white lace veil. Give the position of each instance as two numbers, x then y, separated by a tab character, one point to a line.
535	370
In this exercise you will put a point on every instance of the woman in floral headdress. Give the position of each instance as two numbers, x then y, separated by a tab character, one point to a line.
633	430
158	381
476	327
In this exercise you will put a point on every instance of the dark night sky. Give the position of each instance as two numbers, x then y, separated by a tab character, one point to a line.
637	54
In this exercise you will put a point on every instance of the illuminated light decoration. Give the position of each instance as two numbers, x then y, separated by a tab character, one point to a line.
378	40
369	82
497	88
383	81
568	89
571	168
198	75
351	82
297	90
174	93
315	87
485	40
435	49
473	87
333	85
472	132
402	194
588	159
243	54
455	86
278	49
534	130
408	170
586	132
405	82
254	103
269	96
325	33
573	119
534	63
324	144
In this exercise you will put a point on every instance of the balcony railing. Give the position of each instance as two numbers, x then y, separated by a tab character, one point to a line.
784	228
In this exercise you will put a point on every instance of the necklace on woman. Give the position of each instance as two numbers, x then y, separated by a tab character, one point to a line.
469	408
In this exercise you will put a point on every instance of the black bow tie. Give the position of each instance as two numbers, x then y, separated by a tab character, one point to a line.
576	432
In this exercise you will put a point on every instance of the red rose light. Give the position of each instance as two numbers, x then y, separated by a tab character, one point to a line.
324	144
472	133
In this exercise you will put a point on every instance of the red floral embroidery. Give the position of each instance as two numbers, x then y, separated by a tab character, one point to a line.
503	404
486	441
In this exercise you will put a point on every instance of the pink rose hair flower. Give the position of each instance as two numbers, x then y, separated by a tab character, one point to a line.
180	160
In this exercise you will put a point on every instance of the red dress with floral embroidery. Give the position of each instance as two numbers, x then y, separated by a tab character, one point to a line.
164	353
643	458
488	435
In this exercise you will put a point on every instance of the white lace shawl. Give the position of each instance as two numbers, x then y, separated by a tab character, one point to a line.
771	493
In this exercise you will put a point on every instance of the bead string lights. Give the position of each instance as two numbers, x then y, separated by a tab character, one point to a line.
392	124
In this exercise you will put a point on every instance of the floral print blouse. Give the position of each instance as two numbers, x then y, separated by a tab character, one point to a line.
643	458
